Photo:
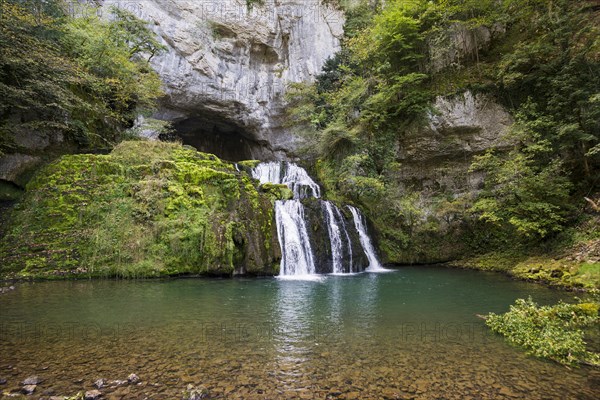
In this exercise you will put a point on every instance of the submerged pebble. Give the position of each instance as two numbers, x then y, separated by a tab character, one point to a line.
32	380
92	395
28	389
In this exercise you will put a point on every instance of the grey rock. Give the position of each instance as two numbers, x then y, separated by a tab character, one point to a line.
28	389
228	66
100	383
195	393
92	395
133	378
14	166
32	380
3	381
440	154
460	43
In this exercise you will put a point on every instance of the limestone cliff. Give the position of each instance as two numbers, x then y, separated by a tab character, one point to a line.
434	181
437	156
229	62
225	73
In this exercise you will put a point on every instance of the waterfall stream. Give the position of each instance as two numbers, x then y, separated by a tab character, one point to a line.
365	240
296	238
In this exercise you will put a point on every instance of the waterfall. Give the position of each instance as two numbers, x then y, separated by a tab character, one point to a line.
335	238
335	225
298	258
295	177
365	240
343	223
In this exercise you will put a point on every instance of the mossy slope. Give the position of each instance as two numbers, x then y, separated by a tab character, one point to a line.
147	209
570	260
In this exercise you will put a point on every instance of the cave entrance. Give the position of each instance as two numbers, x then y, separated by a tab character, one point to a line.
223	139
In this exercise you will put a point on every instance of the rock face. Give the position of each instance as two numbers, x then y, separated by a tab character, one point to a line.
438	156
229	62
434	162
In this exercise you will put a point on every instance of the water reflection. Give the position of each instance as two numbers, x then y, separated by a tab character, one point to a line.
359	336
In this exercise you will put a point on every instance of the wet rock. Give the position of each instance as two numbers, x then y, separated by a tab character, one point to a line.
195	393
28	389
32	380
118	382
3	381
100	383
92	395
6	289
507	392
390	393
133	378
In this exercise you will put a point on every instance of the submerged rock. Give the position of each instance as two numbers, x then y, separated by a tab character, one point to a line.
100	383
28	389
92	395
133	378
195	393
32	380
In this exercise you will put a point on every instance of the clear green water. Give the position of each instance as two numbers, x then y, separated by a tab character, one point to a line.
412	333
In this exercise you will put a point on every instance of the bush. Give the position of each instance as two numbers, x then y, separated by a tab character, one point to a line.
553	332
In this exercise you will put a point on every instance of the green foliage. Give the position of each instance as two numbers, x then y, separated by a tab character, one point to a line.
83	76
540	58
534	200
146	209
251	3
552	78
553	332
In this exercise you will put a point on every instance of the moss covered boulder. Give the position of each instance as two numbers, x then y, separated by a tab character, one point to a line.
147	209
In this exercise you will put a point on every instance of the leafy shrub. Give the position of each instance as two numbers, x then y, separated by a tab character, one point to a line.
553	332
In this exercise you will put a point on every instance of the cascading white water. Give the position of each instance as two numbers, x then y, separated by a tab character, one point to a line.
298	260
295	177
365	240
348	240
337	253
297	257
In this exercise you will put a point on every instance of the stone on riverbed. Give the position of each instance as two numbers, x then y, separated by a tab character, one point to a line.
133	378
195	393
32	380
92	395
28	389
100	383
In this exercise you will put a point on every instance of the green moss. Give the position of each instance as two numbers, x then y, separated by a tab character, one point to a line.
277	191
249	163
147	209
